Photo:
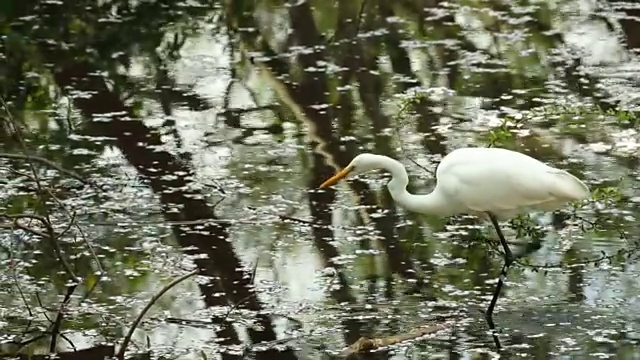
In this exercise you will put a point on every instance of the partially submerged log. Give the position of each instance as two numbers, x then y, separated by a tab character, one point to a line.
365	345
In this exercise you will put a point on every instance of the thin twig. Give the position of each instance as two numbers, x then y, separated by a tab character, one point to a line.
12	124
592	261
72	223
73	346
401	113
15	279
44	309
359	20
69	225
48	163
127	338
45	220
50	235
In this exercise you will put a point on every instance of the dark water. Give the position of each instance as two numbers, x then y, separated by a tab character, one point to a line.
145	140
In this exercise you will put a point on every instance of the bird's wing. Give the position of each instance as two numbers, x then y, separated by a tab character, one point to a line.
500	186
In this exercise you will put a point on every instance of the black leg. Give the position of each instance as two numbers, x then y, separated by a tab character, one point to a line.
508	260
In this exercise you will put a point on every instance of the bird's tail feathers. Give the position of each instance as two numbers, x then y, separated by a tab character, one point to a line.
569	187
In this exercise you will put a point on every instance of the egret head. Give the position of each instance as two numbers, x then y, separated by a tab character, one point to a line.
360	164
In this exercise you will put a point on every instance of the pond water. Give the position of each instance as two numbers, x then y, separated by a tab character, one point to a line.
145	140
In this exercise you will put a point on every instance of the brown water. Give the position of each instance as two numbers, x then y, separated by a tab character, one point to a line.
195	135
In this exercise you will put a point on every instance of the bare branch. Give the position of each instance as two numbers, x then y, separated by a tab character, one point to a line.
55	329
50	235
46	162
127	338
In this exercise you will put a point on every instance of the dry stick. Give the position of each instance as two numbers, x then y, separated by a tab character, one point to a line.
127	338
69	225
22	143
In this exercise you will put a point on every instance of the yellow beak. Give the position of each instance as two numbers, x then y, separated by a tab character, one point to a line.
337	177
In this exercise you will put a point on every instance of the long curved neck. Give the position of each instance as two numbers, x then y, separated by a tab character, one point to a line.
432	203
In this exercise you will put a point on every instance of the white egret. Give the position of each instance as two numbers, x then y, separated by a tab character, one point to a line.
486	182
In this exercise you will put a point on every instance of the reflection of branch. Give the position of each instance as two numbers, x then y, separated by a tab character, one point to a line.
164	82
432	140
232	115
152	301
178	96
307	99
627	17
232	119
309	223
240	111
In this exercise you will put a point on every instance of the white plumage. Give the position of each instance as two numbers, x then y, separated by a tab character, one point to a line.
490	183
504	182
478	181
